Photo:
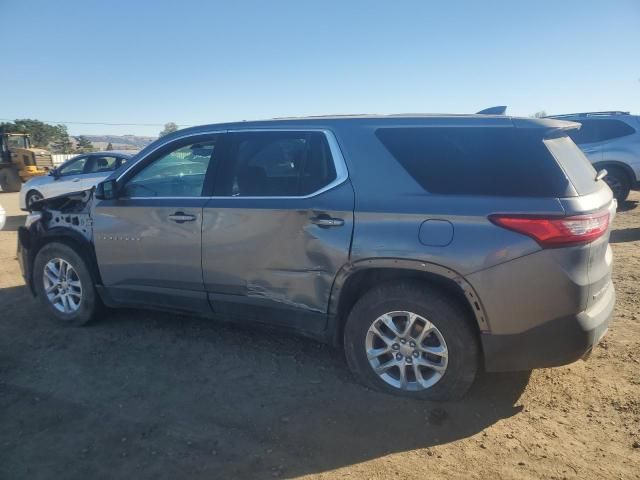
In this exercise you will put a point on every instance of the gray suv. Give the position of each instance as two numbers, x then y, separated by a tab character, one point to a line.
428	247
611	141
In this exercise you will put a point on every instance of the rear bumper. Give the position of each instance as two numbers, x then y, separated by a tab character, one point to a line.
551	344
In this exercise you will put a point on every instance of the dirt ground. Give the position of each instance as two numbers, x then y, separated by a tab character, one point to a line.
152	395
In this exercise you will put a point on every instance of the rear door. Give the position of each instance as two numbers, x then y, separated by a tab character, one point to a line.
148	241
278	227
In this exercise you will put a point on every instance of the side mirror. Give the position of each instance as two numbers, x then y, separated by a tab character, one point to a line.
54	173
107	190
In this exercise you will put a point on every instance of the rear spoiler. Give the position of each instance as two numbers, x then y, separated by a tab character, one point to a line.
499	110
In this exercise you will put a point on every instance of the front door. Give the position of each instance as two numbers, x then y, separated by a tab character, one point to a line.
148	241
278	228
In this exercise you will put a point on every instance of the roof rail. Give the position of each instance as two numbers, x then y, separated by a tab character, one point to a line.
589	114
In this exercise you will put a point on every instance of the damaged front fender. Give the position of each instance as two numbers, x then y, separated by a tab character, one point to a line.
65	219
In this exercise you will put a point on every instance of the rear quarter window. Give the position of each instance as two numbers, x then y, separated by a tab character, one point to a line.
477	160
600	130
574	163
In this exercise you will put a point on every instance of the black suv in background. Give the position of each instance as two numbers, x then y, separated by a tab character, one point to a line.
429	247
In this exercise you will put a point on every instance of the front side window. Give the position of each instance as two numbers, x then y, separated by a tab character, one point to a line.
74	167
177	173
278	164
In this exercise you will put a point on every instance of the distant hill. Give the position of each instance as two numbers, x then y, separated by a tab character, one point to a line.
120	142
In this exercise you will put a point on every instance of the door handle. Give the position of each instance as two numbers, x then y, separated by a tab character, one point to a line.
181	217
326	221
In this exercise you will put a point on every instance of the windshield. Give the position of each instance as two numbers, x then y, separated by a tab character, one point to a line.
17	141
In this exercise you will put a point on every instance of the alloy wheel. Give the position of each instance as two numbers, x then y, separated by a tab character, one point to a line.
406	350
62	285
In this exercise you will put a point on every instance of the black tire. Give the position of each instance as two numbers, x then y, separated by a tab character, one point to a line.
10	180
89	304
442	311
31	197
619	183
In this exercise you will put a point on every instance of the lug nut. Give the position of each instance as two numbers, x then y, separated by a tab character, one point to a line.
395	346
398	356
409	359
416	354
403	341
412	344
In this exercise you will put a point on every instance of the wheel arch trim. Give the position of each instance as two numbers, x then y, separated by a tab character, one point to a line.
348	270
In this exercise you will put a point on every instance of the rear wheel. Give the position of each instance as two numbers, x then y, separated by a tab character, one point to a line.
64	285
10	180
32	197
619	183
412	340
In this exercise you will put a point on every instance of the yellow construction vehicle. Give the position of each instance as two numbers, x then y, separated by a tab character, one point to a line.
19	161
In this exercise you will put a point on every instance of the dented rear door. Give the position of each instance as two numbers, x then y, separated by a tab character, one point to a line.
273	258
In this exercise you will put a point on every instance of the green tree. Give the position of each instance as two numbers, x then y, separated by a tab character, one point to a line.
540	114
62	142
42	134
168	128
109	146
84	145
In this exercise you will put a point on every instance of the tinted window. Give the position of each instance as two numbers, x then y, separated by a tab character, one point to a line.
610	129
477	161
178	173
101	164
74	167
600	130
587	133
278	164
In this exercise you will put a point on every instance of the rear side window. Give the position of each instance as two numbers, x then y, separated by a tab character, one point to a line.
600	130
278	164
477	160
101	164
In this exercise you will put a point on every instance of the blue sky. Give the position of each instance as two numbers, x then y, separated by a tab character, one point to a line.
209	61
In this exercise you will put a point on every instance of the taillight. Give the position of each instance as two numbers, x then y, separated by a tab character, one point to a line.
556	231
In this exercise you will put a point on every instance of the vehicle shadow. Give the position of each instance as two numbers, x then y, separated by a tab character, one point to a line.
149	393
627	205
14	222
625	235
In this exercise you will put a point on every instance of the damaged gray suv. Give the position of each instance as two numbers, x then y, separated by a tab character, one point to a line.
428	247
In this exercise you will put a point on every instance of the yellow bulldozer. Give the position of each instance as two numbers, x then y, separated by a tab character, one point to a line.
19	161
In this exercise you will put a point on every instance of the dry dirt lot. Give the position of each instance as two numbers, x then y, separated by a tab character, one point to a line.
152	395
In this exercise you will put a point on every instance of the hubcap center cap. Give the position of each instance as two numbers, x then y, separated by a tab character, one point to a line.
406	349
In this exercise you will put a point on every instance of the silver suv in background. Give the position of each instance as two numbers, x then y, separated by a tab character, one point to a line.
611	141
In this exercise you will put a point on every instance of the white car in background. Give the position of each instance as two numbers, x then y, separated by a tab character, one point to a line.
3	217
79	173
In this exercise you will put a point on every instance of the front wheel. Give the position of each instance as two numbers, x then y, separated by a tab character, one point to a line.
32	197
10	180
64	285
412	340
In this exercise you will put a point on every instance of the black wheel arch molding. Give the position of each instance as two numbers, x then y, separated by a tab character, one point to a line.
420	269
31	240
